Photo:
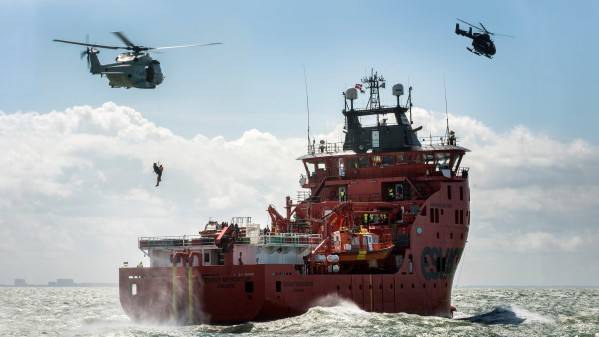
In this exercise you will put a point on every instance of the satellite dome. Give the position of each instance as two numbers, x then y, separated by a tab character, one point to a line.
397	90
351	94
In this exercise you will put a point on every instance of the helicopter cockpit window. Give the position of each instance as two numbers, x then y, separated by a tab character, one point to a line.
149	74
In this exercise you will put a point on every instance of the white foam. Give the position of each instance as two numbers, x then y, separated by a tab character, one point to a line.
530	316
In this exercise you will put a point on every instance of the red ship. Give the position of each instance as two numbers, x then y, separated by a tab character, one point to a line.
382	222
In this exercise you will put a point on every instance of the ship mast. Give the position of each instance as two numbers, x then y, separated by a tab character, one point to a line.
373	83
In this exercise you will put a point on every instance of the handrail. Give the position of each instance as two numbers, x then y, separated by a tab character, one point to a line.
290	239
437	140
174	241
325	147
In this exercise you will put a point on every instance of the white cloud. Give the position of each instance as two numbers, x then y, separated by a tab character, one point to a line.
77	187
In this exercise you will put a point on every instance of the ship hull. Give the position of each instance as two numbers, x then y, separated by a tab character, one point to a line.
238	294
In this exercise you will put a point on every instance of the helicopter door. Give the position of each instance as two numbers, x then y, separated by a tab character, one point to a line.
149	73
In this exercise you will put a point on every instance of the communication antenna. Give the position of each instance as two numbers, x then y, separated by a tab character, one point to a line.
307	104
446	113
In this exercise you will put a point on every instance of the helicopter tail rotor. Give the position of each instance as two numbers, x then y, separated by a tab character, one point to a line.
87	53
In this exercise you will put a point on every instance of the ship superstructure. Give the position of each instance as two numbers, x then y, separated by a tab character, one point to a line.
382	221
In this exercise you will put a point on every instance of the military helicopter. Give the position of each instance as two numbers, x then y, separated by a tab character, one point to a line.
482	44
133	69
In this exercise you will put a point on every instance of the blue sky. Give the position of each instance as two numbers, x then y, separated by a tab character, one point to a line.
546	76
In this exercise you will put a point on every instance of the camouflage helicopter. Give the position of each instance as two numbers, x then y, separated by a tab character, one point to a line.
132	69
482	44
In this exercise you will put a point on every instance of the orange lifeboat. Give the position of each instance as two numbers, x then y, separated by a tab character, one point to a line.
360	246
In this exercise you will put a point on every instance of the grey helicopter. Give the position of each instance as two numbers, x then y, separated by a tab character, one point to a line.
132	69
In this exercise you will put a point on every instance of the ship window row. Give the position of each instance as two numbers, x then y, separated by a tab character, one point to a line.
459	217
450	236
401	286
442	159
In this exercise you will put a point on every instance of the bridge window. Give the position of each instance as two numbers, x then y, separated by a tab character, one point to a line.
311	169
133	289
388	160
429	158
443	159
449	192
363	162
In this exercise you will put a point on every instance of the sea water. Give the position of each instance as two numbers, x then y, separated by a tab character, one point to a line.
481	312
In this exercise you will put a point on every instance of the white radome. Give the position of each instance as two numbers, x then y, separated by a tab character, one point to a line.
351	94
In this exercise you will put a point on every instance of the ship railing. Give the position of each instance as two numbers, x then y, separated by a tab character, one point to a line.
325	147
148	242
436	141
290	239
303	195
241	220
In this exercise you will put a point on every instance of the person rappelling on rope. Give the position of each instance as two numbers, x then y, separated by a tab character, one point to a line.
158	168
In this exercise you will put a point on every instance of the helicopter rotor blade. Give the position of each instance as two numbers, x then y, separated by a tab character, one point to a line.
469	24
123	38
503	35
485	28
89	44
187	45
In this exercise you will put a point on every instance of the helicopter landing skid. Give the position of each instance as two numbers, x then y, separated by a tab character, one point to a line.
477	53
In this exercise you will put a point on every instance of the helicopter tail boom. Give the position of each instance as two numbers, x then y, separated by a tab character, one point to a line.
95	67
467	33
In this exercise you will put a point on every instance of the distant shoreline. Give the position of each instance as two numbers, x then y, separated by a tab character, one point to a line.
76	285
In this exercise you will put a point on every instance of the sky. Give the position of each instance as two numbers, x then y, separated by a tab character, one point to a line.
229	121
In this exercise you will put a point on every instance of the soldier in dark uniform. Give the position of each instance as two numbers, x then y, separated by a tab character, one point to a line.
158	170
